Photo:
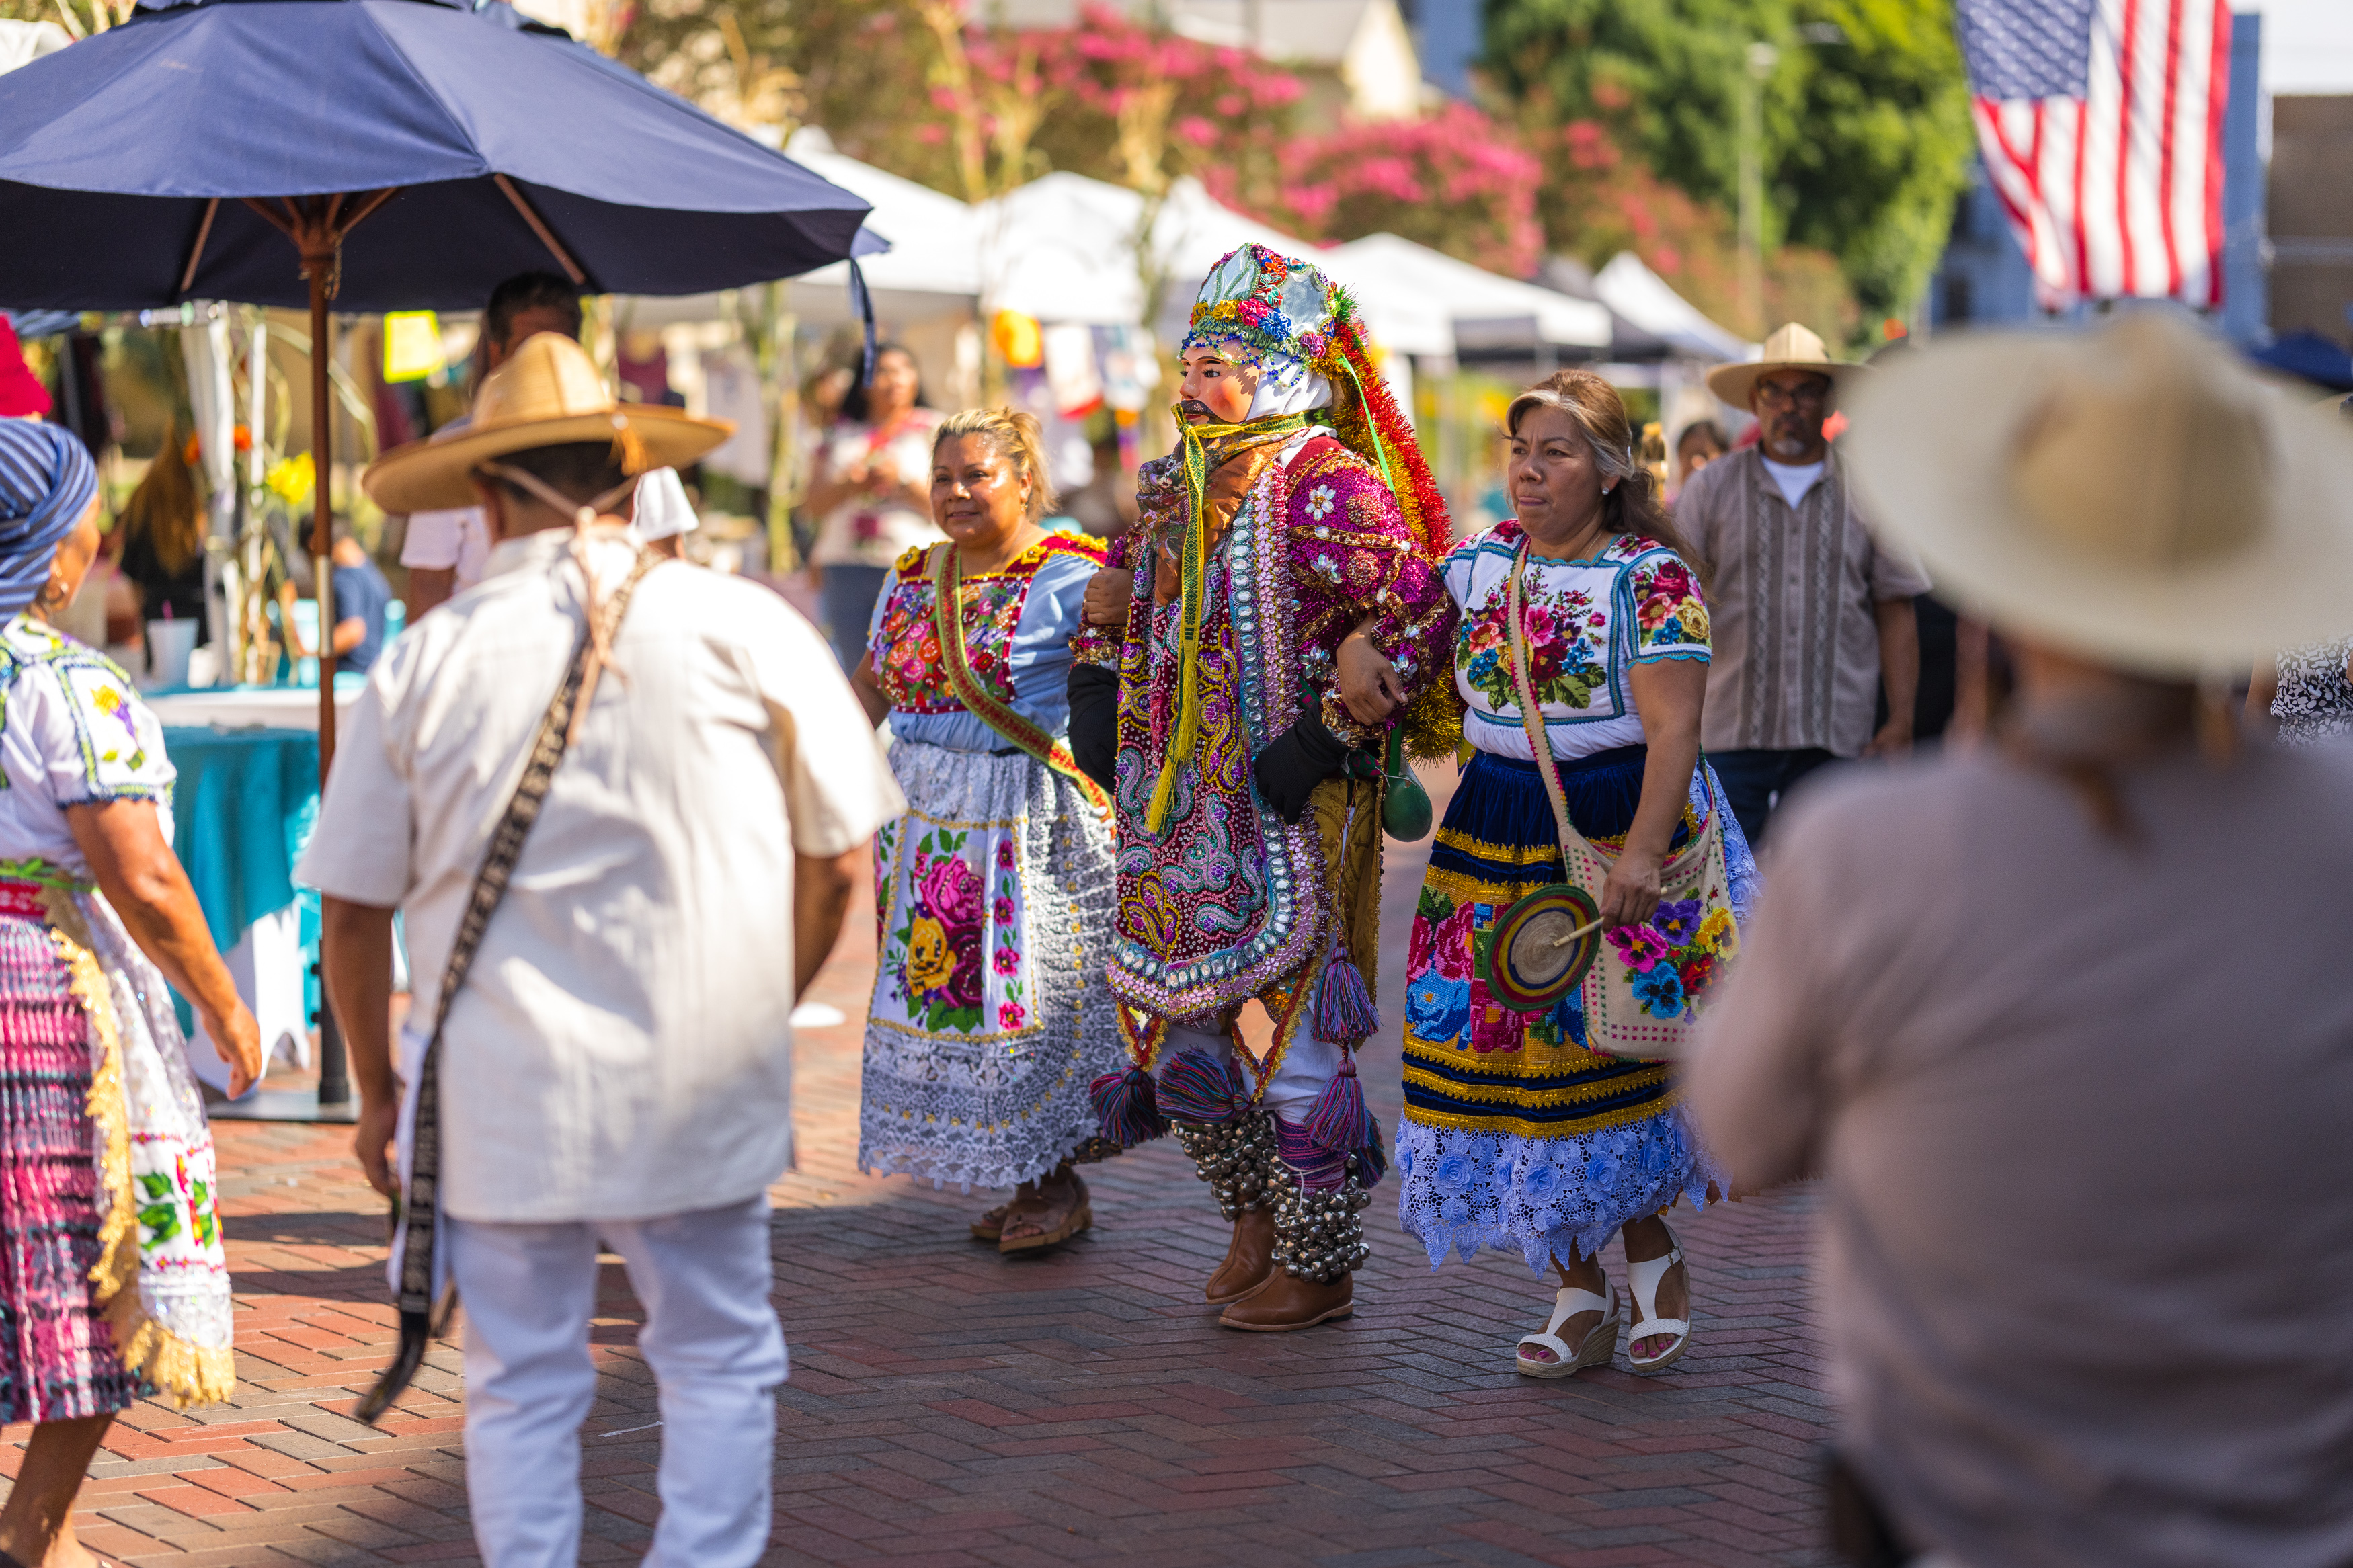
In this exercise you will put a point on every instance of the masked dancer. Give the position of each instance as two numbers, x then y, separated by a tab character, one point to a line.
1290	543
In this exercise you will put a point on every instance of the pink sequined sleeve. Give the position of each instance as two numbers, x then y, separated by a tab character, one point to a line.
1351	555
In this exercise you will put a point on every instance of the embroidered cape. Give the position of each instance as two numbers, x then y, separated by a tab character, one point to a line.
1227	899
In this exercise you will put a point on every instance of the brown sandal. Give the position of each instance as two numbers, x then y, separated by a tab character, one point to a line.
989	1227
1080	1216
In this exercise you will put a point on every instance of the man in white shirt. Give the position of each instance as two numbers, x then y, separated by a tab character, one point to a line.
445	547
618	1063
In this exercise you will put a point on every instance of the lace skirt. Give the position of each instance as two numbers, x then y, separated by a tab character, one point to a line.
990	1015
1514	1136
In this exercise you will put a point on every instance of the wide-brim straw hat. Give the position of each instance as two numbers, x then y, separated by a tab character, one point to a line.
2131	494
1792	347
547	393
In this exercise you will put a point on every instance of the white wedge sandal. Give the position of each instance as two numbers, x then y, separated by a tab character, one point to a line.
1642	1283
1599	1347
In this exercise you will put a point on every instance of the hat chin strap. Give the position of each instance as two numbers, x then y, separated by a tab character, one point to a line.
584	513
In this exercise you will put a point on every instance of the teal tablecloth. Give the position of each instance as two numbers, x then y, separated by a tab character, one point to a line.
241	813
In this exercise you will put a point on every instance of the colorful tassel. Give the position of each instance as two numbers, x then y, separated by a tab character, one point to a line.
1196	1087
1341	1119
1372	1160
1126	1109
1344	1013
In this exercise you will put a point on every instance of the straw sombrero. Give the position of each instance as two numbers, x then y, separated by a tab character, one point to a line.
547	393
2131	493
1792	347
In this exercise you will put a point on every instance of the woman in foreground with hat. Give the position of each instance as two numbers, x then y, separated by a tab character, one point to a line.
2064	1022
990	1015
112	1280
1517	1132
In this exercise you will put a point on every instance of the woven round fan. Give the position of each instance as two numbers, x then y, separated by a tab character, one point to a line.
1543	945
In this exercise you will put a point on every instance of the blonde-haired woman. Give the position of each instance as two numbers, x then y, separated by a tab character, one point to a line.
1515	1136
991	1016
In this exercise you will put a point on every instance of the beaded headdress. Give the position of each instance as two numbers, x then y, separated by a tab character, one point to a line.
1286	313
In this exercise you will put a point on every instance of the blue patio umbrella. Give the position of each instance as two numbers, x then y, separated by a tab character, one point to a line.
377	154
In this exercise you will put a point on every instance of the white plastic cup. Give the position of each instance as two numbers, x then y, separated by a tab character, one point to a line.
169	644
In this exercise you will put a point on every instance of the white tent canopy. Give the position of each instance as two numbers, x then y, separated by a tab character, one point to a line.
1642	297
1469	296
1061	248
934	262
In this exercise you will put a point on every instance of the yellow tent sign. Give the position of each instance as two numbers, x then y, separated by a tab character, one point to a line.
412	346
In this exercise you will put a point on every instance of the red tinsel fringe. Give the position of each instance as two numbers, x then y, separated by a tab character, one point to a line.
1417	490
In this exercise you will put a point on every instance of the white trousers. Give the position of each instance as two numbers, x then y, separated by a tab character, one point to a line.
717	1354
1298	1082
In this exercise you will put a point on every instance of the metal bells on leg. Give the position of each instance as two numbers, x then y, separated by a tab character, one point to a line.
1319	1236
1235	1158
1318	1242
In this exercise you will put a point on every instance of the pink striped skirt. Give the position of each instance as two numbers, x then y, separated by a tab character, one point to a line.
58	1360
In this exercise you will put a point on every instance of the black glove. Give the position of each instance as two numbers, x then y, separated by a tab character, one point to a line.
1094	722
1300	758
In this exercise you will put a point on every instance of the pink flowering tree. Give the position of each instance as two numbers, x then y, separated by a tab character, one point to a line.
1456	181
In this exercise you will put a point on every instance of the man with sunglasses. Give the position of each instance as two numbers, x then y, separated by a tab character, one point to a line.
1810	615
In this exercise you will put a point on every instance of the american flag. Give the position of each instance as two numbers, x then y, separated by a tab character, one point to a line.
2101	123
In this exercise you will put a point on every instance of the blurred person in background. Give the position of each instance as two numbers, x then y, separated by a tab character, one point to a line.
2305	694
822	392
447	549
870	493
362	595
1812	616
990	1015
161	537
1701	443
112	1278
2070	1047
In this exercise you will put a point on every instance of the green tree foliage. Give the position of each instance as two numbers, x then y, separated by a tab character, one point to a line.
1865	117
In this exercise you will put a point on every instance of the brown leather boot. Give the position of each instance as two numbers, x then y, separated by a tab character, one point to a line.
1286	1302
1250	1261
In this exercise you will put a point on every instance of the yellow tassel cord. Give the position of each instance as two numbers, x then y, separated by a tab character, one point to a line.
181	1373
1193	580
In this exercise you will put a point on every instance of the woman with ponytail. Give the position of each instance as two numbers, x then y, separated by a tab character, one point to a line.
1515	1135
991	1016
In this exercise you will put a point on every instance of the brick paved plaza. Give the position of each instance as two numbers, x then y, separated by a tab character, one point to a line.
950	1408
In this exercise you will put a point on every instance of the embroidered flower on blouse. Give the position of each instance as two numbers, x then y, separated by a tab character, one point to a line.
1010	1015
1005	854
1004	909
1006	960
1321	501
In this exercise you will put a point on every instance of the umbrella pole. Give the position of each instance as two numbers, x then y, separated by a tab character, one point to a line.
334	1070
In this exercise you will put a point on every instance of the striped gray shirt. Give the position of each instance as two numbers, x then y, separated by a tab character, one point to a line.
1789	597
